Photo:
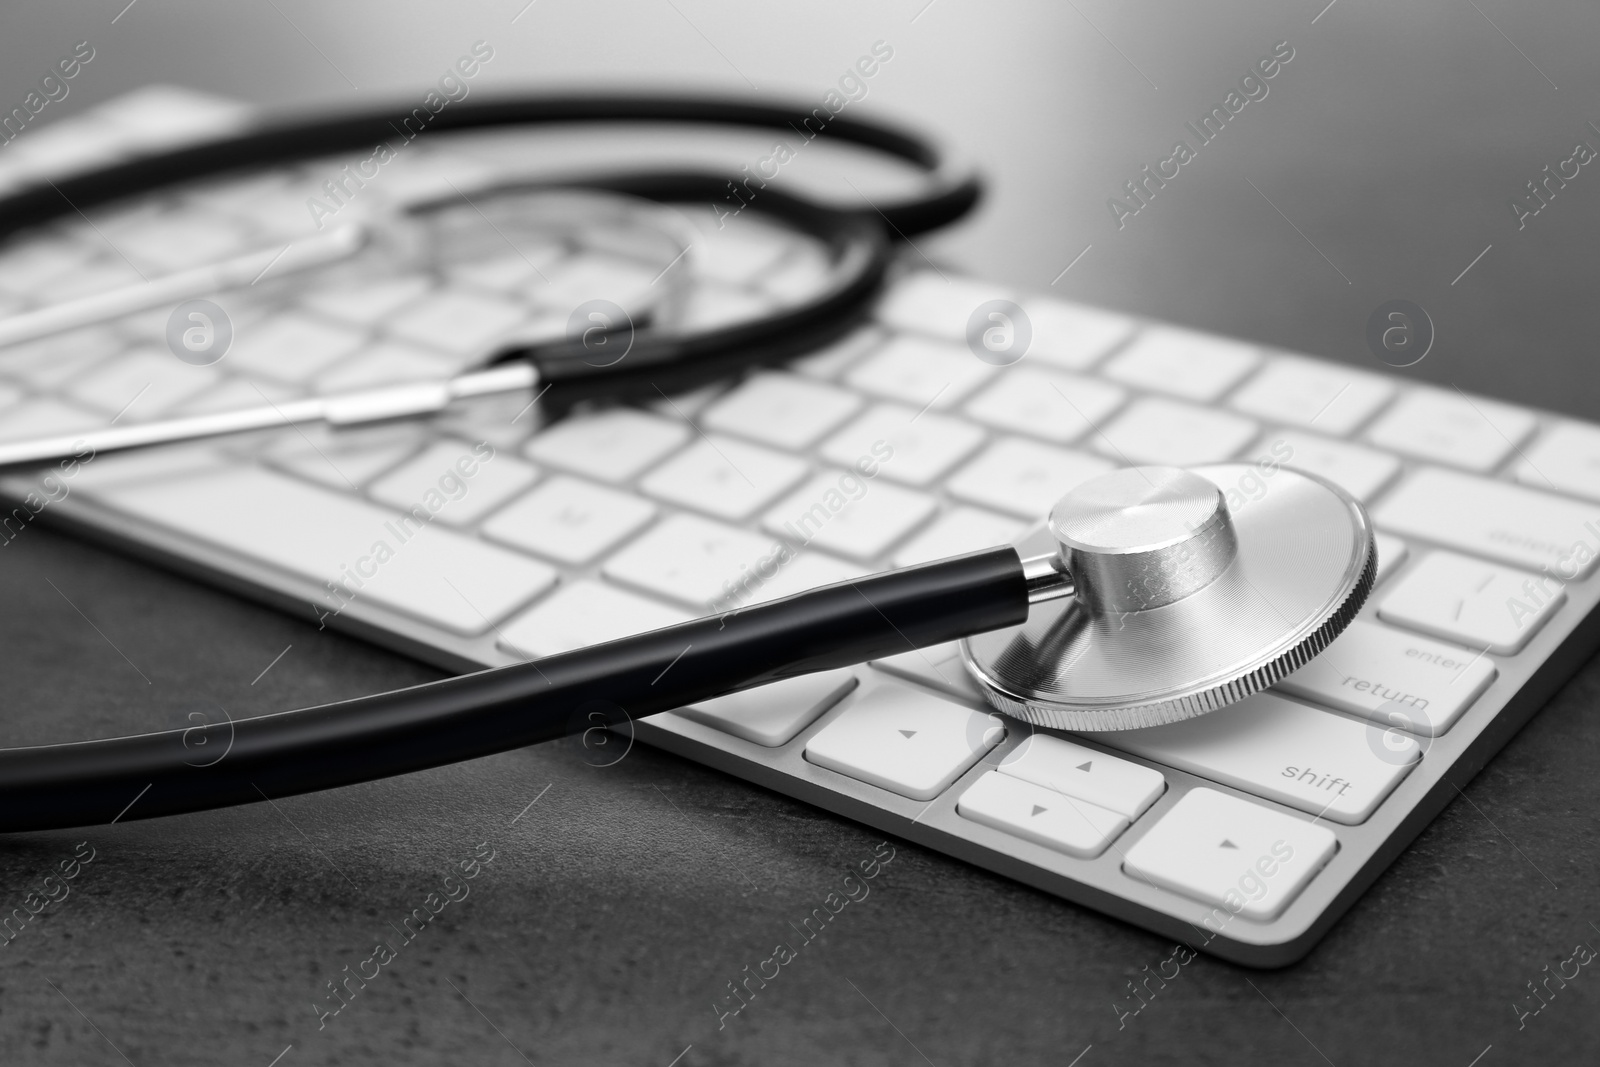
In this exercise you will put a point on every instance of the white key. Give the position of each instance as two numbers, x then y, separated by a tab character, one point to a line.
1056	407
1394	678
144	384
1480	604
930	303
9	395
515	272
1116	784
236	393
429	572
772	714
597	276
688	559
802	571
800	276
1391	553
938	667
905	741
1566	458
343	461
1173	433
1282	750
958	531
1195	366
737	253
366	303
53	361
457	322
385	363
1361	472
708	305
826	364
782	410
1071	335
909	448
1489	518
180	240
570	521
1046	818
580	614
1321	396
42	416
1452	428
724	477
291	347
612	445
457	481
1023	477
845	513
1232	854
921	372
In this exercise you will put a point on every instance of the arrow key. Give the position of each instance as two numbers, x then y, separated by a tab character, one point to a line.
1040	815
905	740
1123	786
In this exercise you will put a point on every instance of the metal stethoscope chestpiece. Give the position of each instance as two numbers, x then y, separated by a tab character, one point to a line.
1157	599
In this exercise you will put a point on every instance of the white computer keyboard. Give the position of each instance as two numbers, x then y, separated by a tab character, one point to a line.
488	536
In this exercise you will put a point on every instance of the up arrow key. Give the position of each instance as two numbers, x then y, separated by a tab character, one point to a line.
908	734
1228	844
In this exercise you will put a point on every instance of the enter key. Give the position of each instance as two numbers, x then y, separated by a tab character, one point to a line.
1280	749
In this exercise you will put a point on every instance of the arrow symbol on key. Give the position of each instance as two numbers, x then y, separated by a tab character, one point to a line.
1037	809
1085	766
1228	844
908	733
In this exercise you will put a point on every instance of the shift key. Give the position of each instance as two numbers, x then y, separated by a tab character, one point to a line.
1283	750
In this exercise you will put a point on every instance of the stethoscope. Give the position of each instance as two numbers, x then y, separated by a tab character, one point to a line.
1143	598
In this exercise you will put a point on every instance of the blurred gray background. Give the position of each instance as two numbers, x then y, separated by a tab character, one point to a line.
1382	162
1383	157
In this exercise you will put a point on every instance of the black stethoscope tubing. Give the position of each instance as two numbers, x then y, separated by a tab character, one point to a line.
180	770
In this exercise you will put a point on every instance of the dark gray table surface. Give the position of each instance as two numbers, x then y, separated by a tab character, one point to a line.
619	905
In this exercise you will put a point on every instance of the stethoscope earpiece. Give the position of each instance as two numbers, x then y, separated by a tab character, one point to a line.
1160	594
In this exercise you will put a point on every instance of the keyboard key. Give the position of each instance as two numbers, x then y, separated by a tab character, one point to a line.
1488	518
1042	816
826	364
922	373
937	305
782	410
737	253
373	553
1394	678
724	477
54	361
1566	458
937	667
1313	760
689	559
612	445
1361	472
910	448
772	714
958	531
385	363
1232	854
1116	784
1172	433
344	460
570	521
1320	396
1056	407
1451	428
1071	335
1023	477
905	741
844	513
144	384
580	614
1483	605
291	347
1391	553
42	417
463	323
457	481
365	303
1195	366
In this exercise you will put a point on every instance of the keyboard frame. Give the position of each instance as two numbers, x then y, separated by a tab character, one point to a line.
1523	684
